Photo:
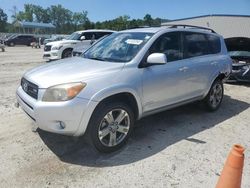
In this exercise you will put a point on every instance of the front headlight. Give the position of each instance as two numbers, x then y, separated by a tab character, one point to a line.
56	47
63	92
246	67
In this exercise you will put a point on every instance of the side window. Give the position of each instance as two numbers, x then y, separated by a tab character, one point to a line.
195	44
170	45
89	36
99	35
214	43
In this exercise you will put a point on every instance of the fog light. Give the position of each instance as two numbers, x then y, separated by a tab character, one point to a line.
62	125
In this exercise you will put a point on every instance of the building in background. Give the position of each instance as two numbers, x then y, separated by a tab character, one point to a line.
34	27
229	26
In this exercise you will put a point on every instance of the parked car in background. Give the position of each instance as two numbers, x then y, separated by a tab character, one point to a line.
2	46
64	48
85	44
239	50
124	77
54	38
20	40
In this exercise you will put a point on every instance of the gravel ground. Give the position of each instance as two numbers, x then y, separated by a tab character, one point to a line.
183	147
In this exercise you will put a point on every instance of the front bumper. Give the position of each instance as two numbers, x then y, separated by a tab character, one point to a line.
74	53
67	118
240	74
52	55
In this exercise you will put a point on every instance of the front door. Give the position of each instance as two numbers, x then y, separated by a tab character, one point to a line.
165	84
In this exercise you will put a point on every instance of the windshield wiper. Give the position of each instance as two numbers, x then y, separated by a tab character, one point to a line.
96	58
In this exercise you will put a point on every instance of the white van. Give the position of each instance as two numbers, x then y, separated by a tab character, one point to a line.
64	48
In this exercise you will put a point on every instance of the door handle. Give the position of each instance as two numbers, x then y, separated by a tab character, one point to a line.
183	69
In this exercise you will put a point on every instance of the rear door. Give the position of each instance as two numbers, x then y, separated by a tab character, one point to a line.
19	40
26	40
202	61
89	36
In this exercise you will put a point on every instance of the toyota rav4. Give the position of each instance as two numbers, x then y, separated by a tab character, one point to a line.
124	77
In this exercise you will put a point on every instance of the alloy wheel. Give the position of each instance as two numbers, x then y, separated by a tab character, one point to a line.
216	95
114	127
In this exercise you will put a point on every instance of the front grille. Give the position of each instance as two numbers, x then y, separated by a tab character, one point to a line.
47	48
29	88
46	55
235	67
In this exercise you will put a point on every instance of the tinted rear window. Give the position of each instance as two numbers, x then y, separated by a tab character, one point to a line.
198	44
214	43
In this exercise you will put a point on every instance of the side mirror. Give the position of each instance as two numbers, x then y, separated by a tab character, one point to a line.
82	38
157	59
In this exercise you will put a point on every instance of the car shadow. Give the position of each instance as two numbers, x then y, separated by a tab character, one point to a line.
151	135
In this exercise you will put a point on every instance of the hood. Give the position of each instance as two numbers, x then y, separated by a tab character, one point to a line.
61	42
68	70
238	44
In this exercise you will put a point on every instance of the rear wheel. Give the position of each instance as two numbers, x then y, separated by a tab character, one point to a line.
67	53
215	95
110	126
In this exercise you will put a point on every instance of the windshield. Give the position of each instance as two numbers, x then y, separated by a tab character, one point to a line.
239	53
74	36
11	36
118	47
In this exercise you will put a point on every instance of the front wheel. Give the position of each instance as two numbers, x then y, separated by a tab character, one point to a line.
215	95
110	126
67	53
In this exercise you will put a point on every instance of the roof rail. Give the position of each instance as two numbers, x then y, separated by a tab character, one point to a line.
190	26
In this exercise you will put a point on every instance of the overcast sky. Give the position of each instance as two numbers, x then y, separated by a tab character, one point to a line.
100	10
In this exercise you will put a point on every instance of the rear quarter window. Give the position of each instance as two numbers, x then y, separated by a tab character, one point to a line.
215	45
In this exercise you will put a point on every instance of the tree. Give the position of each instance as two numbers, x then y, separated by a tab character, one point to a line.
148	20
14	12
80	19
3	20
27	14
61	18
41	14
67	21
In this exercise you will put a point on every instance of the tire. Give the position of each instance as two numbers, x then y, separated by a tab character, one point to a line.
12	44
104	131
67	53
214	97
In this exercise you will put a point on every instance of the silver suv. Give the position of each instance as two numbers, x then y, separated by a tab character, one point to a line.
124	77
